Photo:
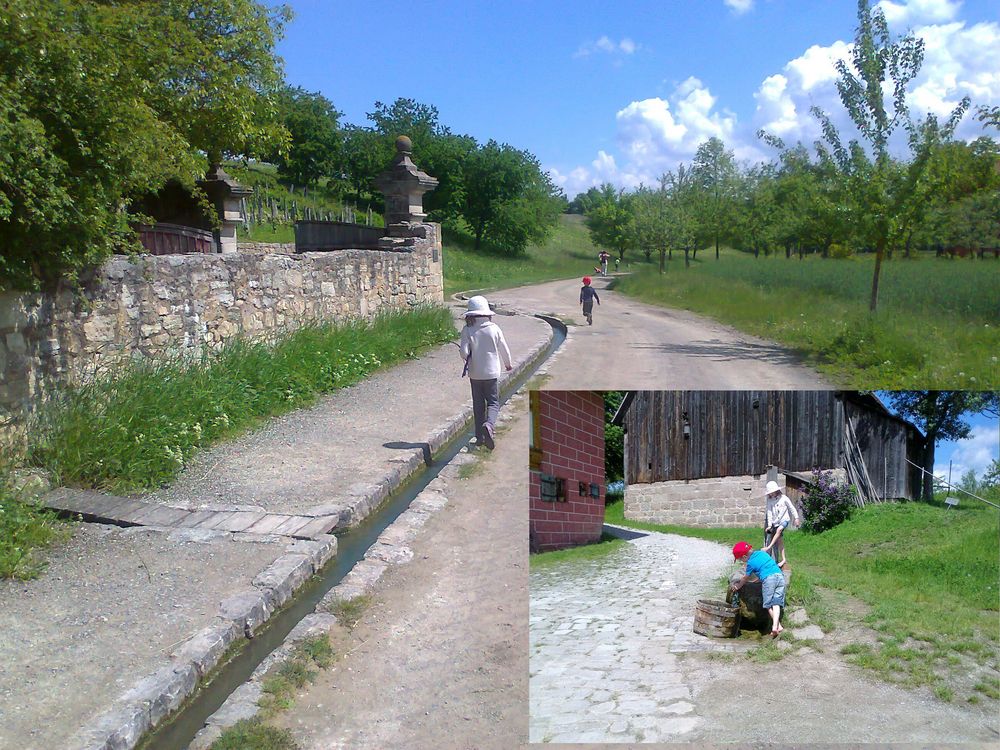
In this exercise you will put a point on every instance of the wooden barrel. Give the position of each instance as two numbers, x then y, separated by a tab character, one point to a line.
715	618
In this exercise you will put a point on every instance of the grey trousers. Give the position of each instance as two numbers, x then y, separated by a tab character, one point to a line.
485	404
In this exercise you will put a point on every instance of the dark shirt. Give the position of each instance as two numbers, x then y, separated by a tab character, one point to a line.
588	293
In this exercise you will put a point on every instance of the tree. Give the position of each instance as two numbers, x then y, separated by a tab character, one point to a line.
314	136
614	438
940	415
714	172
877	60
610	220
507	197
101	102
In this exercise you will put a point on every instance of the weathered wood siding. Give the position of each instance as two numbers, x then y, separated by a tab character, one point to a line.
884	444
731	433
737	433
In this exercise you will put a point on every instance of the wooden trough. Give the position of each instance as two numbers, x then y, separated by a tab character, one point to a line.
715	618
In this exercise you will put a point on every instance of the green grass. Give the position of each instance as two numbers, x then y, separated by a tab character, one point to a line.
25	529
929	577
936	326
599	549
567	253
140	427
349	611
280	686
253	734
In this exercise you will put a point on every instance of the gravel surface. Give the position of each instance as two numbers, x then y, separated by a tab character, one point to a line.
108	610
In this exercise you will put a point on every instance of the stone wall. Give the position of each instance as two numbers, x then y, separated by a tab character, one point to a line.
723	501
152	305
266	248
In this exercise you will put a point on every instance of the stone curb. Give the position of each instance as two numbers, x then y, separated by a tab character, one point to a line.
156	696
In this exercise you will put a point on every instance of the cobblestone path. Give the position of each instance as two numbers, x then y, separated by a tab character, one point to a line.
606	636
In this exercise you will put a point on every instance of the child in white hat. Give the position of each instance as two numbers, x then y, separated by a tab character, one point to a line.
779	512
484	350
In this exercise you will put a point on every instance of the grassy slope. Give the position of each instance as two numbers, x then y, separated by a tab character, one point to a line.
928	575
936	326
567	253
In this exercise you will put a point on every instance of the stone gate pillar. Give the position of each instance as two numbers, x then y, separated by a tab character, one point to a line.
226	194
404	186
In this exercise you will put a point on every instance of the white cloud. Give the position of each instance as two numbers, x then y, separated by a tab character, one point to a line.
909	12
739	7
976	453
656	134
606	44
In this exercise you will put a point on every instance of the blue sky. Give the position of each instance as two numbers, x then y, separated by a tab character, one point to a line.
976	452
620	92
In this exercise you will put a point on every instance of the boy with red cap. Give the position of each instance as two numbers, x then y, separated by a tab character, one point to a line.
772	581
587	296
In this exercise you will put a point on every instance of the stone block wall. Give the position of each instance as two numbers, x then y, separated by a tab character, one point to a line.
572	443
723	501
152	305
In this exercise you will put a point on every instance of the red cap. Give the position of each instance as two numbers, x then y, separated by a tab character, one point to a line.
586	279
740	549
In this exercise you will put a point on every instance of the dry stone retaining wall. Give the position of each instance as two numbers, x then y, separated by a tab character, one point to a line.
152	305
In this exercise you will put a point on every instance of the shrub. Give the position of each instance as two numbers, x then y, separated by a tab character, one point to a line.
826	503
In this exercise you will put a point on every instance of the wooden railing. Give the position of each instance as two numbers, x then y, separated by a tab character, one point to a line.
170	239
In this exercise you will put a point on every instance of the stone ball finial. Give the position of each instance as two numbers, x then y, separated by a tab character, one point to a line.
404	144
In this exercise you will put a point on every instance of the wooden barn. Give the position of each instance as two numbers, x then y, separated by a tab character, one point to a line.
702	457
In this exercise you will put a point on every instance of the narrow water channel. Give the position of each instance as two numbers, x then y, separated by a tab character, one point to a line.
352	545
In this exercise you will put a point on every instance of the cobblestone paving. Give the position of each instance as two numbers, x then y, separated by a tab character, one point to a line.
607	636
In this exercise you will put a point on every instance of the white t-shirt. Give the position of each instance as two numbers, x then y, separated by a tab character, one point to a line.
781	509
485	341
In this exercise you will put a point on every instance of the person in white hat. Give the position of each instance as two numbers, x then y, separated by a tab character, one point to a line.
779	512
484	350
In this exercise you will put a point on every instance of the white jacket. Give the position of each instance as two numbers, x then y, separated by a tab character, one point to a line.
781	510
485	341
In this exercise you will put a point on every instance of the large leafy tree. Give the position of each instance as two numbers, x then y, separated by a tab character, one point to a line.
102	101
879	62
941	415
313	149
507	197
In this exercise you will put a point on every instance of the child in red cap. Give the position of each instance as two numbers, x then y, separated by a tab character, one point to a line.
587	296
772	581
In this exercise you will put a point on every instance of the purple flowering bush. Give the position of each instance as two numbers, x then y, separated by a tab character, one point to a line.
826	503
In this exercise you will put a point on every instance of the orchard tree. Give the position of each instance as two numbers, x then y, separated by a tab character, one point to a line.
879	62
610	220
714	172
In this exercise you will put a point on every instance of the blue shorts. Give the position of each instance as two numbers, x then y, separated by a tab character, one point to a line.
773	590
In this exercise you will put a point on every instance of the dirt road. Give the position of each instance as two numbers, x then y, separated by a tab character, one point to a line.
632	345
439	658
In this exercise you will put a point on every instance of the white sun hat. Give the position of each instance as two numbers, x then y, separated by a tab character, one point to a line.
478	306
771	486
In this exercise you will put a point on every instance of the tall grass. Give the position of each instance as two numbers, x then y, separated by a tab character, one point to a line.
139	428
938	322
25	528
567	253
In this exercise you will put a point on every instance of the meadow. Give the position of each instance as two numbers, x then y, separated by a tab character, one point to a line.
937	324
567	253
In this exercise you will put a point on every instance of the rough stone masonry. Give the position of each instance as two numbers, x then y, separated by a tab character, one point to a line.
153	305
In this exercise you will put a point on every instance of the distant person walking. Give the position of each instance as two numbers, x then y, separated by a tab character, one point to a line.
617	263
778	513
604	257
484	350
587	296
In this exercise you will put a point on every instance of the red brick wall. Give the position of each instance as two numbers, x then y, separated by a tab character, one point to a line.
572	437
